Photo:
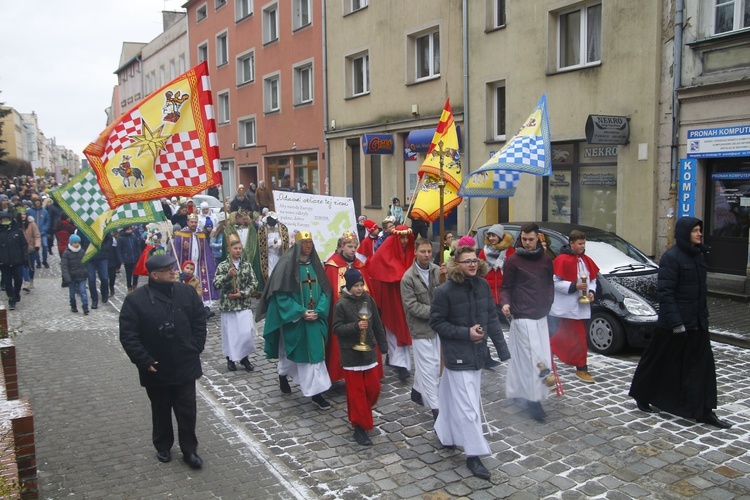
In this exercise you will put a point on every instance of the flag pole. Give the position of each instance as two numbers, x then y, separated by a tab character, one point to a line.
478	214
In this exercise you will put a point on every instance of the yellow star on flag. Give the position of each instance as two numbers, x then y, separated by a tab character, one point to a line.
150	140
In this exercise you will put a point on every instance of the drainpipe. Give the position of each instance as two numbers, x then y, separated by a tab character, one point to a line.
677	83
466	128
325	104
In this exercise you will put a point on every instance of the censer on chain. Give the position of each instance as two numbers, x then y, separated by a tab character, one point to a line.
364	315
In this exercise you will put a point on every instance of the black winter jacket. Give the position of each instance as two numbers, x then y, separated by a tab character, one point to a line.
345	319
72	266
13	246
142	318
682	288
457	305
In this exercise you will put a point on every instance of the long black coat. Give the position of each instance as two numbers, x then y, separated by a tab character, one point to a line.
178	355
677	373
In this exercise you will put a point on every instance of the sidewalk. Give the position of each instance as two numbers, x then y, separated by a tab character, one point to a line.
92	418
93	428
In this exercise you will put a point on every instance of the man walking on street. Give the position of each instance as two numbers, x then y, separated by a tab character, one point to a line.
163	332
13	254
526	296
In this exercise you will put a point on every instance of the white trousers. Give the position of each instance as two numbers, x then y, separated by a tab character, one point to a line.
237	334
529	345
397	355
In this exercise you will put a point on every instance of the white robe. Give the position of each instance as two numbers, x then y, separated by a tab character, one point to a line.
237	334
274	250
397	355
312	378
427	369
459	422
529	345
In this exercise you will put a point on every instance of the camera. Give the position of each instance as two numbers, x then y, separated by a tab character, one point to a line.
167	330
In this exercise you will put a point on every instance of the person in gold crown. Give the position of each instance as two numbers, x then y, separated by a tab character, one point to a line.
240	226
295	305
336	266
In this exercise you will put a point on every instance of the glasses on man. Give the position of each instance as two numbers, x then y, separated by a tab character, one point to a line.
469	262
165	269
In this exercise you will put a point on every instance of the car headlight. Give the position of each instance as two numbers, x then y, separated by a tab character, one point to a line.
638	307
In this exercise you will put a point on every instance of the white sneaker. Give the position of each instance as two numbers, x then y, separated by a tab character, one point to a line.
26	287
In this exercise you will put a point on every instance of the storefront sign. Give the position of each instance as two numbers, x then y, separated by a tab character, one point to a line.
377	144
602	129
600	152
419	141
719	142
686	192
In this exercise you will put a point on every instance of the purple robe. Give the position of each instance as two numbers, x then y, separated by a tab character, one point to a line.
205	263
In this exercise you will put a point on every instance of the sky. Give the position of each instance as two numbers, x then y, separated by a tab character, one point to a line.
58	58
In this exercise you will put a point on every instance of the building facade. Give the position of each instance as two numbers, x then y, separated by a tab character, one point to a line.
266	68
713	138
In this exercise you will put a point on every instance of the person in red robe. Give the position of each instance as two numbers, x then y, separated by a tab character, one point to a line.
575	276
337	264
386	268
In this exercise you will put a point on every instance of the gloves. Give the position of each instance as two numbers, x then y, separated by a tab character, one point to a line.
36	249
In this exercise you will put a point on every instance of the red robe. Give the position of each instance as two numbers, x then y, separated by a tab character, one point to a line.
569	341
335	268
366	248
386	268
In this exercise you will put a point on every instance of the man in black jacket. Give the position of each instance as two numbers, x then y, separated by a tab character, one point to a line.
463	314
163	332
13	253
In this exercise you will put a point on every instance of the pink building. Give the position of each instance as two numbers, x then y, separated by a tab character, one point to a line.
266	68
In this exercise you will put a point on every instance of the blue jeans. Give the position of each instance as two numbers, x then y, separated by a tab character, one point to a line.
80	288
100	267
33	257
44	249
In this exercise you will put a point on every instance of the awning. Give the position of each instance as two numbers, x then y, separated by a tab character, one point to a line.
419	141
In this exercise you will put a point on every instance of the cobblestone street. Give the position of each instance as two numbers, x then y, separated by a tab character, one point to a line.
93	428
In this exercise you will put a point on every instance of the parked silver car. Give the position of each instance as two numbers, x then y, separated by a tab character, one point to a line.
626	308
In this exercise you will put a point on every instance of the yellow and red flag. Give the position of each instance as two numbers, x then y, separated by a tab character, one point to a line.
166	146
444	148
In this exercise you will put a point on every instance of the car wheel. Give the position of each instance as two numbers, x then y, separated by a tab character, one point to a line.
605	333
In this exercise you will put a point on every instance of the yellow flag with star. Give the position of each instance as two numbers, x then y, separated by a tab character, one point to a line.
166	146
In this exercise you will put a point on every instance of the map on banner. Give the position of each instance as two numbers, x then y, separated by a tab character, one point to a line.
326	217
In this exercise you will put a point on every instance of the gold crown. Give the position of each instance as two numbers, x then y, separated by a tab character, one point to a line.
193	216
349	236
302	235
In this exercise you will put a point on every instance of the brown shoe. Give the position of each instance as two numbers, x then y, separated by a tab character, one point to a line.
584	376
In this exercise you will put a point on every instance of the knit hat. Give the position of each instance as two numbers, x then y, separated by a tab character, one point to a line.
74	238
352	277
467	241
208	223
496	229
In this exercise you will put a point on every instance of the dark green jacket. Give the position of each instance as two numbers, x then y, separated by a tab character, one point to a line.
345	319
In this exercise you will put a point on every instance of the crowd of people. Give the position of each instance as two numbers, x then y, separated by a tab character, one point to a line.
381	300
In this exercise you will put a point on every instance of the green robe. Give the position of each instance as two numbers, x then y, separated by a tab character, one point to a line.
304	341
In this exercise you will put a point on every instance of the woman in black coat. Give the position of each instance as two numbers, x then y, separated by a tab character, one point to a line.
676	372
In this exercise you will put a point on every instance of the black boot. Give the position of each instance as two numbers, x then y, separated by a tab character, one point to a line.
712	419
284	385
416	396
537	412
85	310
360	436
247	364
402	373
319	400
435	413
477	467
231	366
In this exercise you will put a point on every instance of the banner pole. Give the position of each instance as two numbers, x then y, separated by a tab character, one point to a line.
478	214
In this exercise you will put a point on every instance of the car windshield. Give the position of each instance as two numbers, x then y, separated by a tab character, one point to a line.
614	255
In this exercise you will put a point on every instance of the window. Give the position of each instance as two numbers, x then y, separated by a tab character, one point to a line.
181	63
242	9
731	15
219	4
172	70
496	118
354	5
303	84
358	71
579	36
246	67
423	55
162	75
271	23
201	13
202	52
222	49
223	105
498	14
147	83
302	13
271	91
247	132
